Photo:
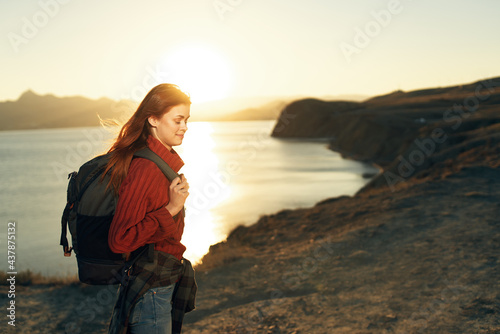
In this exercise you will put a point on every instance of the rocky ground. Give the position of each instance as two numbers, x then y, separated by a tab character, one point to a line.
421	259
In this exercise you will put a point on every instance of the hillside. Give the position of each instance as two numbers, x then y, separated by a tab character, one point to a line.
272	109
374	130
268	111
421	259
32	111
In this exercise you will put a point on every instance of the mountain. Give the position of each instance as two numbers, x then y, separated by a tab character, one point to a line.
268	111
266	108
32	111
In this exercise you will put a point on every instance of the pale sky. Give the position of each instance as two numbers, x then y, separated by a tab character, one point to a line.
245	48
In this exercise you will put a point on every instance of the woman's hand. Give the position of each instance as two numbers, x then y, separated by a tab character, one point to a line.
178	192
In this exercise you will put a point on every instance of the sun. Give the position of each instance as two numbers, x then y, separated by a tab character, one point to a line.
200	71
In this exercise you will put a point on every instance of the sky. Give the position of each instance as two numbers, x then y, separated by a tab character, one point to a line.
215	49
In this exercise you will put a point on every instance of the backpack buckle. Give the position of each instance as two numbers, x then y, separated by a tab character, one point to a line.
67	251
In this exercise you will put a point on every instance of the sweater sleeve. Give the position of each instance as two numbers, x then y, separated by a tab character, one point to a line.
141	216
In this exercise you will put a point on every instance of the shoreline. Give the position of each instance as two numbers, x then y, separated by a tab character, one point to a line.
421	254
363	264
49	260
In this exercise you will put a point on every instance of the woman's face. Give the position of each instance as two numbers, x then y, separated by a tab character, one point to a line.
170	128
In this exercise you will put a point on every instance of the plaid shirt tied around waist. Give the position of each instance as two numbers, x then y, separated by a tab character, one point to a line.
164	270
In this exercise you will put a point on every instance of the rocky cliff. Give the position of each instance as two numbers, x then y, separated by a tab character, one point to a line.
380	129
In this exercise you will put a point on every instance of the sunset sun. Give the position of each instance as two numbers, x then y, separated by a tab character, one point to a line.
200	71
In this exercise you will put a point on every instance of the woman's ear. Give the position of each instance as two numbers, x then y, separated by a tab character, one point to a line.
153	121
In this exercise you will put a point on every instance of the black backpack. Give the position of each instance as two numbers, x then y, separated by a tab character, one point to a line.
89	212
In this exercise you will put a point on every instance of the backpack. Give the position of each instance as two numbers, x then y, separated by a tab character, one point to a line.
89	212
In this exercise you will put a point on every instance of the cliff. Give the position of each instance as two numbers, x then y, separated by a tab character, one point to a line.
379	129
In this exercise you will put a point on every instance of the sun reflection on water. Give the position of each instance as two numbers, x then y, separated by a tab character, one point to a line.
207	189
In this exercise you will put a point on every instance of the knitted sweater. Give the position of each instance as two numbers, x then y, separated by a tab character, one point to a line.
140	216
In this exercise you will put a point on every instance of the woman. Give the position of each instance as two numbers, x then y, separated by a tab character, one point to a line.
150	211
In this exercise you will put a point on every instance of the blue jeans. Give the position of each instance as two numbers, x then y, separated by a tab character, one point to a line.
151	313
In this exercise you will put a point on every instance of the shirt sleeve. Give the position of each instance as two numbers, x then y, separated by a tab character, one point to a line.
141	216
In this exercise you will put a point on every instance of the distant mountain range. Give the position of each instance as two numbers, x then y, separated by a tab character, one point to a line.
33	111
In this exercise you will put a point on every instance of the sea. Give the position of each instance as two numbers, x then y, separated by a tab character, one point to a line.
236	171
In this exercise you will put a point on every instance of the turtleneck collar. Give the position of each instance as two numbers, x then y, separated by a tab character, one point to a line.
170	157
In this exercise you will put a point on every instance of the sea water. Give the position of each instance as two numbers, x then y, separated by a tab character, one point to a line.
236	172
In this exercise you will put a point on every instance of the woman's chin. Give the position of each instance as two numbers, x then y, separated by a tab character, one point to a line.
177	143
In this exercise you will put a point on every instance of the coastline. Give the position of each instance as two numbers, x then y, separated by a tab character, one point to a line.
421	255
424	258
415	250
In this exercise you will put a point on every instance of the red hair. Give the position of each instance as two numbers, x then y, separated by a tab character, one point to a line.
134	134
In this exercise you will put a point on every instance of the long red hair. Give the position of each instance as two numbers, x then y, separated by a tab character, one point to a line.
134	134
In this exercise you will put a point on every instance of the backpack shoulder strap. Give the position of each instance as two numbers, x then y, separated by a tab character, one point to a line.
146	153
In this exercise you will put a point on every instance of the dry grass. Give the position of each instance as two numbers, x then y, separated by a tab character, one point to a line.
221	255
28	277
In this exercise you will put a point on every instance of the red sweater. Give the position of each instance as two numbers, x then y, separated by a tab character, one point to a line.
141	217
